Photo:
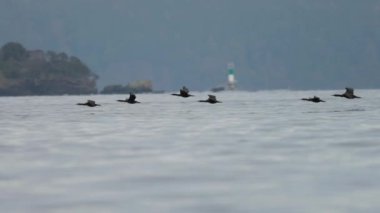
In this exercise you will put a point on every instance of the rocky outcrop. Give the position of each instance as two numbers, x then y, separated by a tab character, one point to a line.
135	87
35	72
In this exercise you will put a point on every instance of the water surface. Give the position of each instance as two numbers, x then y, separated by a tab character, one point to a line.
256	152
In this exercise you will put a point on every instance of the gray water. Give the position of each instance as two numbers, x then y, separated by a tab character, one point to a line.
255	152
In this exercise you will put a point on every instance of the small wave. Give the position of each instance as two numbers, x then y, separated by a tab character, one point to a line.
335	111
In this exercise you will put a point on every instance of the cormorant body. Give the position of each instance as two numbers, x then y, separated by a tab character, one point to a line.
349	94
131	99
184	92
211	99
89	103
314	99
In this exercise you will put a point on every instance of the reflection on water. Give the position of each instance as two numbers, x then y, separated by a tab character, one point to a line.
255	152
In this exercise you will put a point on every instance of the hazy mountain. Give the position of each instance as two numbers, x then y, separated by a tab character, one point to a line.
295	44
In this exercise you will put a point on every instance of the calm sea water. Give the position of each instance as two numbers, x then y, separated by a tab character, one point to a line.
256	152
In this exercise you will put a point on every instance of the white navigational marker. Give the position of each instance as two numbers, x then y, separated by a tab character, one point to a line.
231	76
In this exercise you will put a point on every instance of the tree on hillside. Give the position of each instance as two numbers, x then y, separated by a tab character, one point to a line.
13	50
37	72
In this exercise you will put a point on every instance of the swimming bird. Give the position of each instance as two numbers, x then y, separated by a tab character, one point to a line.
211	99
131	99
184	92
89	103
314	99
349	94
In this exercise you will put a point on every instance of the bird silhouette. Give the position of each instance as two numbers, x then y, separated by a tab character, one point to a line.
314	99
131	99
89	103
211	99
184	92
349	94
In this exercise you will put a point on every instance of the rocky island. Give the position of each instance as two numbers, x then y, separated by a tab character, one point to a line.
142	86
35	72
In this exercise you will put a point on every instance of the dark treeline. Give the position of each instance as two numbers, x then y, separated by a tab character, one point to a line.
35	72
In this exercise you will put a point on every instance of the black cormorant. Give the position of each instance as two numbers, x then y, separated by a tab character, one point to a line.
184	92
314	99
211	99
89	103
131	99
348	94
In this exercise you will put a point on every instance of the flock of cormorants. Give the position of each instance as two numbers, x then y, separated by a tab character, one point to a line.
184	92
349	94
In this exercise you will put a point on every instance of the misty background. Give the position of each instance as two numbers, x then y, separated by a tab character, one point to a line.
275	44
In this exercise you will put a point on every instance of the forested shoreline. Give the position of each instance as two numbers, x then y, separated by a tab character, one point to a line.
36	72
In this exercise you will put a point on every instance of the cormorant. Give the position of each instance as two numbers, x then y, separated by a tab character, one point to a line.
211	99
89	103
348	94
184	92
314	99
131	99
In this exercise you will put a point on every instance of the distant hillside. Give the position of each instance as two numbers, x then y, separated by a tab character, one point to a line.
35	72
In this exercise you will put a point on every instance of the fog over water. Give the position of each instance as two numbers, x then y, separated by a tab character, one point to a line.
262	151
